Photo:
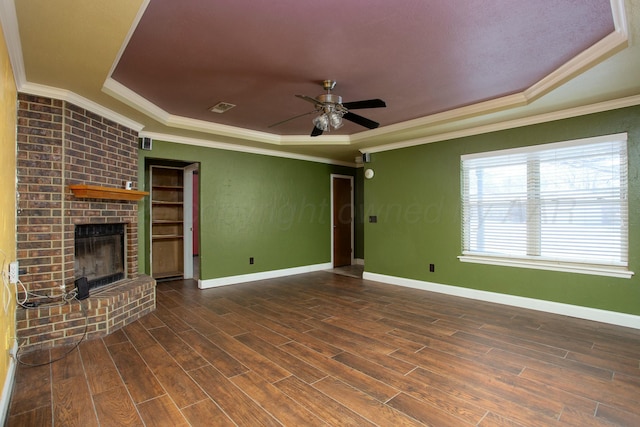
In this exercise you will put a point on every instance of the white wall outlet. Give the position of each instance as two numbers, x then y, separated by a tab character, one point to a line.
13	272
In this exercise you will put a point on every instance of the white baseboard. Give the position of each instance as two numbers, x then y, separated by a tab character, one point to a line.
8	385
243	278
604	316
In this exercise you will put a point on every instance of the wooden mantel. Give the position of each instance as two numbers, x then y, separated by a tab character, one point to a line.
82	191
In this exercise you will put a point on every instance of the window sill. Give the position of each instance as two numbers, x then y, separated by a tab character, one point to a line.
594	269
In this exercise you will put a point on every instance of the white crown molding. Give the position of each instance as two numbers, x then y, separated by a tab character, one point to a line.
94	107
306	140
132	29
9	21
619	16
511	124
491	106
612	43
591	56
240	148
134	100
588	58
603	49
222	130
605	316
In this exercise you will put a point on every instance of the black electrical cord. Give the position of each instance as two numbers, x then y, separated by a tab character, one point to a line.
75	346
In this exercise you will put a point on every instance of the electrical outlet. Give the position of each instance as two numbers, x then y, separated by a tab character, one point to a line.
13	272
251	260
432	268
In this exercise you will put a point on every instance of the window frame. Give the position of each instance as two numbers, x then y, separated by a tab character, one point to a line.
612	269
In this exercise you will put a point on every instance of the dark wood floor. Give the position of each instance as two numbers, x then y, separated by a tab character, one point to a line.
326	349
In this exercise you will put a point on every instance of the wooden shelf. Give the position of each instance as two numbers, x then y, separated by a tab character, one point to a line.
168	187
96	192
167	206
167	236
166	202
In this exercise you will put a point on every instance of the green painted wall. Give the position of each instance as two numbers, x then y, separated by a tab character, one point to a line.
274	209
416	195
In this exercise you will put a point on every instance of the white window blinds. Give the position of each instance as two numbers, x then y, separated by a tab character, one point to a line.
560	202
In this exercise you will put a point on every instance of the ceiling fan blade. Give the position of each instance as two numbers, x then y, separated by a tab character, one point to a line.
309	99
362	121
291	118
316	131
369	103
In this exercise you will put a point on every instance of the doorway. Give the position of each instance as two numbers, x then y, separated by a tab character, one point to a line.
174	213
342	220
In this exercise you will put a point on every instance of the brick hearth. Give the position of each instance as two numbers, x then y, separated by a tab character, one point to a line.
60	144
102	313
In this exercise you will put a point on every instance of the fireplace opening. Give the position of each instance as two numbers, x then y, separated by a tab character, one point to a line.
99	253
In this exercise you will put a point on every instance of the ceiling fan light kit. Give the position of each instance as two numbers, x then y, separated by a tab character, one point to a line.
331	110
331	117
321	122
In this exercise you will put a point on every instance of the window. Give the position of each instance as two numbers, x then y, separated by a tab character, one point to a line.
560	206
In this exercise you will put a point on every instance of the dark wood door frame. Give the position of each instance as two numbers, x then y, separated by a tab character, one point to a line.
341	223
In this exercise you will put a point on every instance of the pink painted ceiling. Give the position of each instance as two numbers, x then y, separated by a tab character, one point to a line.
421	57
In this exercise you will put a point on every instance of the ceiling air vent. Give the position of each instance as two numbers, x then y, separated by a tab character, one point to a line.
221	107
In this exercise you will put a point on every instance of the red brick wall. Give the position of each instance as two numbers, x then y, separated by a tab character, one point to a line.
60	144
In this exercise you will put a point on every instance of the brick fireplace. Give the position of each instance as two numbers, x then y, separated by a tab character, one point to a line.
61	145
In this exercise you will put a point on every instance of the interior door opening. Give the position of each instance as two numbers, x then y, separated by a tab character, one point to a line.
174	214
342	220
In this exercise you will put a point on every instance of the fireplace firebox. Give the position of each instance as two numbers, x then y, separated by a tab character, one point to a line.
100	253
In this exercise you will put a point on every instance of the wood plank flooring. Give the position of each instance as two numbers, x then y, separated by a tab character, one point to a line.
330	350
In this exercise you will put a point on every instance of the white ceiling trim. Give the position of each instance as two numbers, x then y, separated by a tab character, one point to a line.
595	54
486	107
619	16
136	21
132	99
124	94
9	21
74	98
511	124
293	140
240	148
590	57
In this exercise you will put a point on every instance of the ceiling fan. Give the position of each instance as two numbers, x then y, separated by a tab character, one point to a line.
331	110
